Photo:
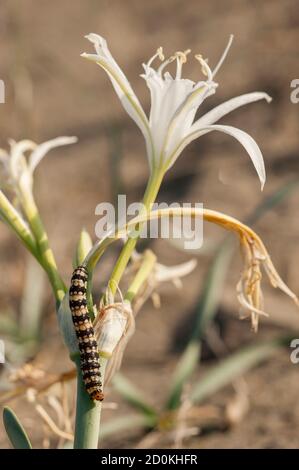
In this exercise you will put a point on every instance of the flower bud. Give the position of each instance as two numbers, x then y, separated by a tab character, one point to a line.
83	247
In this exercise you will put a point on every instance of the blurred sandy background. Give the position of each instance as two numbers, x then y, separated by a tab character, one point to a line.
52	91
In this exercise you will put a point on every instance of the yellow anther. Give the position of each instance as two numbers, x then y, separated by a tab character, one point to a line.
204	65
160	53
182	56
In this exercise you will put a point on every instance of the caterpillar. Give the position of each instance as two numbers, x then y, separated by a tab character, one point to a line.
89	353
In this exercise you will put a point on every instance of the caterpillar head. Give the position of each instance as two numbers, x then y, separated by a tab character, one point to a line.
97	395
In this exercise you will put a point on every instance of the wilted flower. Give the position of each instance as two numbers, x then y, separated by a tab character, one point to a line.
112	323
114	326
171	125
254	253
249	290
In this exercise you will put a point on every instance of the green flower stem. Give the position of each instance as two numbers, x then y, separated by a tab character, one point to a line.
46	254
150	195
147	265
11	216
88	413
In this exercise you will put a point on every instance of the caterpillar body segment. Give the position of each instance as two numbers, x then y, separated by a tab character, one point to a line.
89	354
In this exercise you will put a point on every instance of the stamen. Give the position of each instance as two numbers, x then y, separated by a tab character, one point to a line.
223	57
168	61
204	66
181	58
159	54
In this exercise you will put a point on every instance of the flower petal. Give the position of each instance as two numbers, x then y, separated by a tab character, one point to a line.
17	162
121	85
181	122
41	150
169	273
167	95
245	139
227	107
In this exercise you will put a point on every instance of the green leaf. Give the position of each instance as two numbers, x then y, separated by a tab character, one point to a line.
184	369
15	431
132	395
235	365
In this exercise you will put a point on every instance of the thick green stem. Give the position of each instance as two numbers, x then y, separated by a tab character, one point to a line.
88	413
15	221
46	254
150	195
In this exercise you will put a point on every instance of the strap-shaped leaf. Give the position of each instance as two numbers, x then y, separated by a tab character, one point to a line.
235	365
15	431
132	395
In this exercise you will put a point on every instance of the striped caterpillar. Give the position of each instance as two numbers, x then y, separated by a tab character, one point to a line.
89	353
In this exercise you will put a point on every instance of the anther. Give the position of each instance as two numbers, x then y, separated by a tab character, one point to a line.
204	66
181	58
159	53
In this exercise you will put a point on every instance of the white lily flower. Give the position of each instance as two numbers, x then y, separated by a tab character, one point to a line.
18	169
171	125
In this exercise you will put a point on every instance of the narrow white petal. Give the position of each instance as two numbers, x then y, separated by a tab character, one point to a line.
182	119
17	161
245	139
168	273
248	306
41	150
167	95
121	86
227	107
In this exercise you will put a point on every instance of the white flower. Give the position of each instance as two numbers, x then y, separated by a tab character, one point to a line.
171	125
17	168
